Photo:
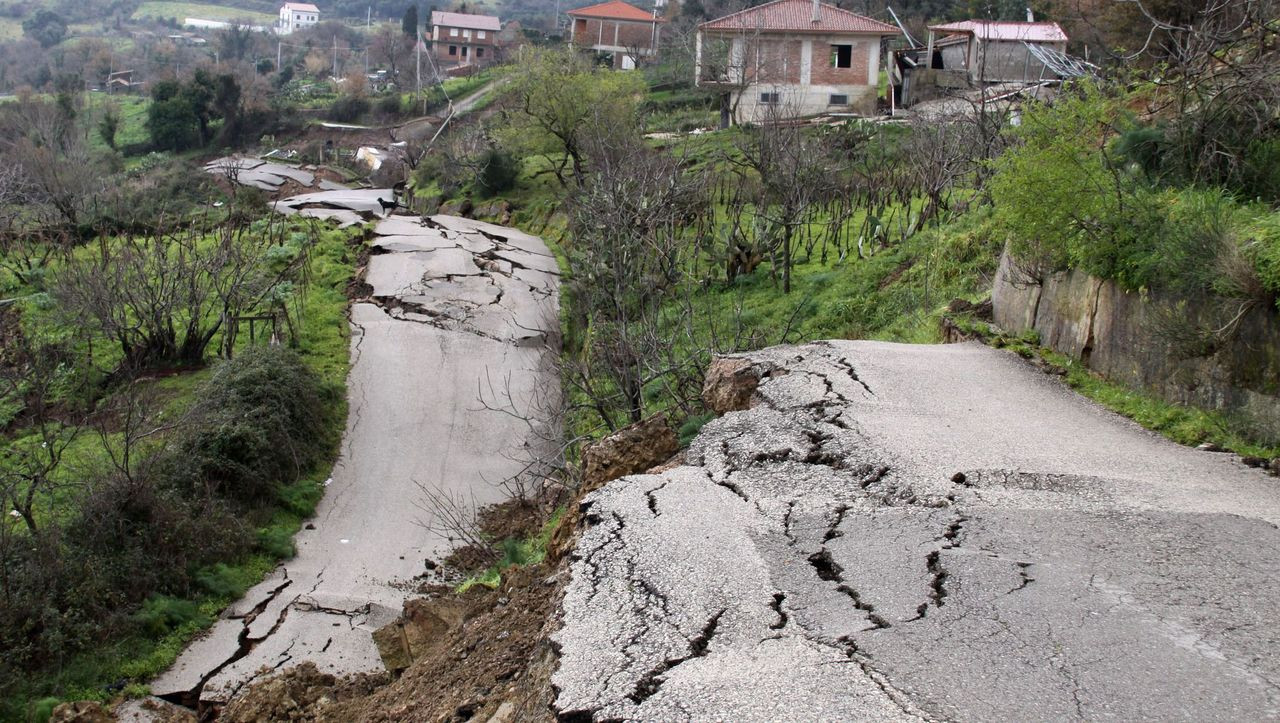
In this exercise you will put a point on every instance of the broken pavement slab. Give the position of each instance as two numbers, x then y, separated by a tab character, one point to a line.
916	532
264	175
415	419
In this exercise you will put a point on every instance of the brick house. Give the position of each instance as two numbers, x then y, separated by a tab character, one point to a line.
624	30
460	39
792	58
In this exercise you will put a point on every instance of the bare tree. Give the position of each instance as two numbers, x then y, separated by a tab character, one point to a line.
627	257
164	297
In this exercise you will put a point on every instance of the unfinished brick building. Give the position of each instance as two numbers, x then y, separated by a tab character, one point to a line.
792	58
618	28
462	39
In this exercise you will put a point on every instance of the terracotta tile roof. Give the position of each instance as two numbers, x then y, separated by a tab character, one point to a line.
797	15
615	10
1002	30
463	20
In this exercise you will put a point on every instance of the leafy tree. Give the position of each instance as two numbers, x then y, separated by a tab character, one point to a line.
199	93
109	125
45	27
410	22
227	106
171	120
235	42
560	99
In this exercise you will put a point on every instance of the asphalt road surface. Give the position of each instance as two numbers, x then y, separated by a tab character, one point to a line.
460	324
902	532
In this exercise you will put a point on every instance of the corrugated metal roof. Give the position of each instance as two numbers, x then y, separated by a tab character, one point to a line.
797	15
1003	30
615	10
463	20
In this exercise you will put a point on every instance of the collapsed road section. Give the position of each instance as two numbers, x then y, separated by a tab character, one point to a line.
460	324
911	532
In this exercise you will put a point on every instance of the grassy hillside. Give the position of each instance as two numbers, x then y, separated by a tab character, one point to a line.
181	11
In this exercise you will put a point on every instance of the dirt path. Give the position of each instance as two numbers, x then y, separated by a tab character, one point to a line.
457	309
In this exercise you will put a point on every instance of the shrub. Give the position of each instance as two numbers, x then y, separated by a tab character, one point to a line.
347	109
390	105
1052	191
498	172
262	423
161	614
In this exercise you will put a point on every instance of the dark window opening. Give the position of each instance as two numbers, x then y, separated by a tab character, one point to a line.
479	52
837	99
842	56
453	50
464	51
769	98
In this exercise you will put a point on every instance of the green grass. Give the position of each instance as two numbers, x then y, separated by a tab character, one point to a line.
133	119
137	658
181	11
516	553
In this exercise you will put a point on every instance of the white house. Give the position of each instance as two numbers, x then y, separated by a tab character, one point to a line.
295	16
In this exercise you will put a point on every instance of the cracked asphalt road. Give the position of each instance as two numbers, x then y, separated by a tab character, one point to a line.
899	532
462	319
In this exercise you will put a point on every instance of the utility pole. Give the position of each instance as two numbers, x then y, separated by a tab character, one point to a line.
279	45
417	64
335	56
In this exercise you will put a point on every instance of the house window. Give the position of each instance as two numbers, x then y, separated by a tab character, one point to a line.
838	99
769	98
453	32
297	17
479	52
842	56
453	50
480	34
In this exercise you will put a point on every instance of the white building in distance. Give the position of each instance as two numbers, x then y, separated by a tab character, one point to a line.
295	16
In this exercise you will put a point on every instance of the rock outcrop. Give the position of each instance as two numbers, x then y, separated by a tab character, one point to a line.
630	450
730	382
1158	342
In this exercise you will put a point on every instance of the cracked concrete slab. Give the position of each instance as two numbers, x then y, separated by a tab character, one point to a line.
900	531
414	419
258	173
358	200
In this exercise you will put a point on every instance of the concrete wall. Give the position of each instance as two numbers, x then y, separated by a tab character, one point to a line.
1124	336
